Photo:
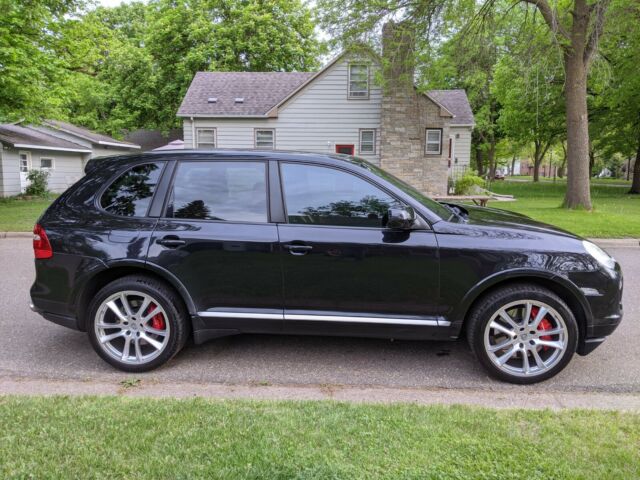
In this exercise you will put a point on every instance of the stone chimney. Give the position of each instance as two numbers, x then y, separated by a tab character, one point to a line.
405	116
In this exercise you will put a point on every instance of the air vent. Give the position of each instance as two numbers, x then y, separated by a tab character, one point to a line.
212	100
239	100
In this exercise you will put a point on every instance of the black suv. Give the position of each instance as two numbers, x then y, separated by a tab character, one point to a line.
147	250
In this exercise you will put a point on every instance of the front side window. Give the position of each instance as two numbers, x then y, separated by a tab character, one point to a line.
206	138
433	141
265	139
358	81
223	191
326	196
130	195
46	163
367	142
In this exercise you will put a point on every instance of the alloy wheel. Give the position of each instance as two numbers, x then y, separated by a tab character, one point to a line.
132	327
526	338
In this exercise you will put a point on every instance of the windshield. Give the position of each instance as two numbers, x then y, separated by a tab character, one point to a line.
440	210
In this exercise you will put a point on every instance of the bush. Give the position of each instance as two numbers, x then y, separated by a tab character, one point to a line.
465	184
39	183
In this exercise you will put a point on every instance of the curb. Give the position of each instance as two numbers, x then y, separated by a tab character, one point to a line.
615	242
16	235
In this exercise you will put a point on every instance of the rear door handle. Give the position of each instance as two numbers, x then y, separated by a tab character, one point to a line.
298	249
170	241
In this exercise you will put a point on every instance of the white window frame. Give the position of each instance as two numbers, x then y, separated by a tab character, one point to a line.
28	155
207	145
47	168
373	142
352	95
427	142
273	138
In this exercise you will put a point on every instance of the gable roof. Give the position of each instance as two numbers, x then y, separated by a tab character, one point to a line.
260	92
25	137
89	135
457	103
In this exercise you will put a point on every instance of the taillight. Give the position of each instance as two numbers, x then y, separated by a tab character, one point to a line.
41	245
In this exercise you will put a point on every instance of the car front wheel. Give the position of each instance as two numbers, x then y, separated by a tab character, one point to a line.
523	333
137	323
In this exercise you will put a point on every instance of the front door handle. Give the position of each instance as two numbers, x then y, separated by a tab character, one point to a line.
298	249
171	241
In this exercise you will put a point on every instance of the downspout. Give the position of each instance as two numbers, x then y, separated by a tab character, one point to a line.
193	134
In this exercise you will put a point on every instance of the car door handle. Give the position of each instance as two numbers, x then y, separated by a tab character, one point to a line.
298	249
170	241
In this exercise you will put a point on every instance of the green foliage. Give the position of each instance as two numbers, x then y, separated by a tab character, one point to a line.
39	183
465	184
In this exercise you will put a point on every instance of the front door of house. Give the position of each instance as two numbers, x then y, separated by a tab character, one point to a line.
347	149
25	165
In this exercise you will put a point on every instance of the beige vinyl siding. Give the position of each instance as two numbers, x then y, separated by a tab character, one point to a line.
317	119
462	148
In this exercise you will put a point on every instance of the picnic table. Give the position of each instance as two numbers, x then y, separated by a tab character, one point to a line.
480	200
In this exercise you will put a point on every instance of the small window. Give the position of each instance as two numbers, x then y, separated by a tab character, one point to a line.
25	160
326	196
130	195
206	138
265	139
46	163
358	81
223	191
367	142
433	144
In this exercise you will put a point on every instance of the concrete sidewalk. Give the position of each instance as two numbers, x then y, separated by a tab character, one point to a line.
522	398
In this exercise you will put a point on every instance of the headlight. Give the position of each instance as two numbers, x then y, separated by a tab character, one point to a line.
602	257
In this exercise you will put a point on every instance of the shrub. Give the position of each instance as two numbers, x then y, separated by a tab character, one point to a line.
465	184
39	183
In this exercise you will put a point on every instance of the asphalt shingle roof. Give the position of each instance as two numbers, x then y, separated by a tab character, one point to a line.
18	135
86	134
456	102
260	90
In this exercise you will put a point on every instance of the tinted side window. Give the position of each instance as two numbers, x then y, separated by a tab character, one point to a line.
231	191
326	196
130	195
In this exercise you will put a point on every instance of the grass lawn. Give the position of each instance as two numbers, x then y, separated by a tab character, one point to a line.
114	437
17	215
615	213
594	181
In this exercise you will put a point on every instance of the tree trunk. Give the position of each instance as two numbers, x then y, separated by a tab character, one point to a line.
635	185
513	165
537	160
491	156
578	194
480	161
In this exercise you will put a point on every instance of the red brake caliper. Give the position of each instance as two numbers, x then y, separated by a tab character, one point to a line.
157	321
544	325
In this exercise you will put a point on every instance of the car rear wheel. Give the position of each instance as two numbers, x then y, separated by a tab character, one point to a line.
523	333
137	323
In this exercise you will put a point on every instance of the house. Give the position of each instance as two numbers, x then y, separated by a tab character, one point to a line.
340	109
58	147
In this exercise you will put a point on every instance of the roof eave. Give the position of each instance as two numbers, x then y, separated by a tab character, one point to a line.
209	115
47	147
116	144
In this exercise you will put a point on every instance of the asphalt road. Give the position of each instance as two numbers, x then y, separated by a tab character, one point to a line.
33	348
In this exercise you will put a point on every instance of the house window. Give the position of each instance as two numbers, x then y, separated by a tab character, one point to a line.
433	144
46	163
24	162
358	81
206	137
265	139
368	142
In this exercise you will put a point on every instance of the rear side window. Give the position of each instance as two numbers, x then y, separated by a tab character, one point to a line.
326	196
130	195
223	191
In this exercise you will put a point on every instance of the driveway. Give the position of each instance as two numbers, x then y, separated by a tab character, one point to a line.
33	348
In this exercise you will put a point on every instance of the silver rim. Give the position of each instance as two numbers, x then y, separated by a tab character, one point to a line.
132	327
526	338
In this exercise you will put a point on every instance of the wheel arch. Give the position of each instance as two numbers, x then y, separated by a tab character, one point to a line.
116	270
559	285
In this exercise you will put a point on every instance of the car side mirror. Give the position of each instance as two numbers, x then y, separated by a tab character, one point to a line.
401	218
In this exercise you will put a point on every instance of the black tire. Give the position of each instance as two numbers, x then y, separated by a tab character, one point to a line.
488	305
176	316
